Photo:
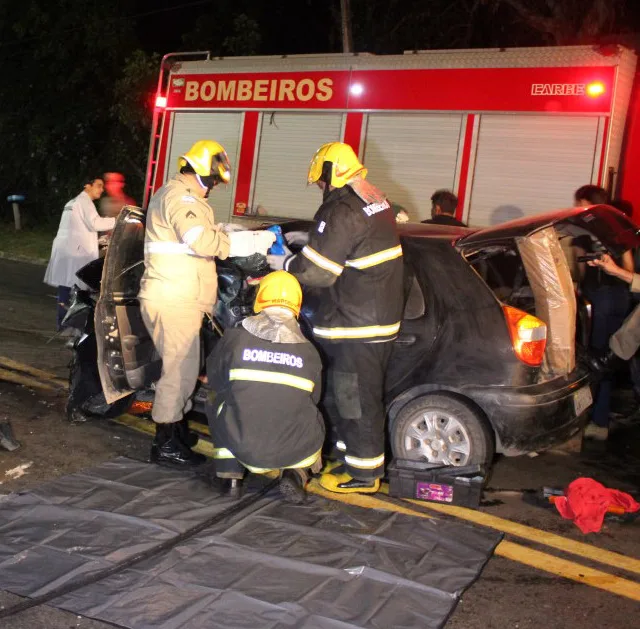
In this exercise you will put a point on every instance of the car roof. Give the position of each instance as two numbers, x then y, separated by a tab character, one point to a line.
432	231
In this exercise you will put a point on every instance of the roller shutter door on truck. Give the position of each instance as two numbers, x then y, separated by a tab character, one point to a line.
530	164
288	141
409	156
225	128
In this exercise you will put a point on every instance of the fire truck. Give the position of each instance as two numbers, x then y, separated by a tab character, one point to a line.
512	132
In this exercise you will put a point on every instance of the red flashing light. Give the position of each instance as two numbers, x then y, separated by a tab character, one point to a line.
161	102
595	89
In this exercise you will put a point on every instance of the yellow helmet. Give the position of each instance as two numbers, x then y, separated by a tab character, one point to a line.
279	289
335	163
209	161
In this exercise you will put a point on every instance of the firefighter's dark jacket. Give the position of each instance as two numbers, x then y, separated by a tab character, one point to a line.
264	409
354	255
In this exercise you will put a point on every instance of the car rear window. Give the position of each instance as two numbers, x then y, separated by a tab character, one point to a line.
502	270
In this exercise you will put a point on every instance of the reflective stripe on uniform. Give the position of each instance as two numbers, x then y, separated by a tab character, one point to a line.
375	258
364	464
357	333
321	261
274	377
308	462
222	453
169	247
193	234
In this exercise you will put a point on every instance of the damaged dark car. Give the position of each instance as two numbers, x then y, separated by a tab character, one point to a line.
487	359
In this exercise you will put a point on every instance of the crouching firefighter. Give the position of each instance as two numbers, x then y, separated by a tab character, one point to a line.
353	255
179	284
267	379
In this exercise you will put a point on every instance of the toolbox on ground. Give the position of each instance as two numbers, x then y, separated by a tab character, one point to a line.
433	482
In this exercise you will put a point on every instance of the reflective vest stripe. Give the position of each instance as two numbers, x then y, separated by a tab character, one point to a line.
365	464
357	333
375	258
193	234
222	453
172	248
308	462
257	375
321	261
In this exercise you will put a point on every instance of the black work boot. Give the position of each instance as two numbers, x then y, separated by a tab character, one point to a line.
7	440
187	436
605	364
232	487
292	484
355	483
168	449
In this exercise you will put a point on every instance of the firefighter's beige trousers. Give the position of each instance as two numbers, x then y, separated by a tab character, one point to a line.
176	334
625	342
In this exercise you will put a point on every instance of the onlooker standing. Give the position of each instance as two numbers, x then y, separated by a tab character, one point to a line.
443	209
115	198
609	297
76	242
112	202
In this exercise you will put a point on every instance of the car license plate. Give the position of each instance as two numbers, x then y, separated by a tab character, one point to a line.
582	400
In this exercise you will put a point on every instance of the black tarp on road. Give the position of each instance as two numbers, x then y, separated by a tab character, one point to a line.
273	565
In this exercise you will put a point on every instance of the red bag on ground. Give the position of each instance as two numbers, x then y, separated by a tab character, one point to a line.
586	501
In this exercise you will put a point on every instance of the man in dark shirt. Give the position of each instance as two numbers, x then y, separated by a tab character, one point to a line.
443	209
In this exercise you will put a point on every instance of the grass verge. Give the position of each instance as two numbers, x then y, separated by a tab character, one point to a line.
33	244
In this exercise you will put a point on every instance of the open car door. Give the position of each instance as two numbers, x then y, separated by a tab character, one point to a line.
127	359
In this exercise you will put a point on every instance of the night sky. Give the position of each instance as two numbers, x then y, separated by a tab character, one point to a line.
382	26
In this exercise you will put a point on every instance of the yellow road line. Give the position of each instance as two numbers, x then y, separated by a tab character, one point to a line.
27	381
510	550
536	535
144	425
360	500
569	570
33	371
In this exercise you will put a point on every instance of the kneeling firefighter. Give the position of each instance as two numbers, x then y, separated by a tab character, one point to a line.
353	255
179	285
267	377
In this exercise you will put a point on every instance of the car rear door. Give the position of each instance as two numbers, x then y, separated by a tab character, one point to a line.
127	359
612	228
522	270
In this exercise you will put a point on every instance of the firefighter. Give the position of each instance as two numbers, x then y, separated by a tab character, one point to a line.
179	284
353	257
267	379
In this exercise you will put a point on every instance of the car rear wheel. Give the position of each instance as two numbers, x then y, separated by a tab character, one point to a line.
441	428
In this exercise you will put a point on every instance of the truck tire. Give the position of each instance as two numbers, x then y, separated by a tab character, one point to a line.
442	428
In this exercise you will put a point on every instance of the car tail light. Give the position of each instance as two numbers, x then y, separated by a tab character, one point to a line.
528	335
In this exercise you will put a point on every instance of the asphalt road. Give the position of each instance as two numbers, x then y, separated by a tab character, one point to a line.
535	579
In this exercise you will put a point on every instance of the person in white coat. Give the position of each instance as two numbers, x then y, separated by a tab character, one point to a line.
76	242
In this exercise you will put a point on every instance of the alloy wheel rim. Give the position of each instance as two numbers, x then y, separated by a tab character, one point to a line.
437	437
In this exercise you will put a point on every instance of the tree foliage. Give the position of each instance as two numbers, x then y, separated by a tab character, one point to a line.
566	22
78	86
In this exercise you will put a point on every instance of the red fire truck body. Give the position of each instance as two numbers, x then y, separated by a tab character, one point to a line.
512	132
